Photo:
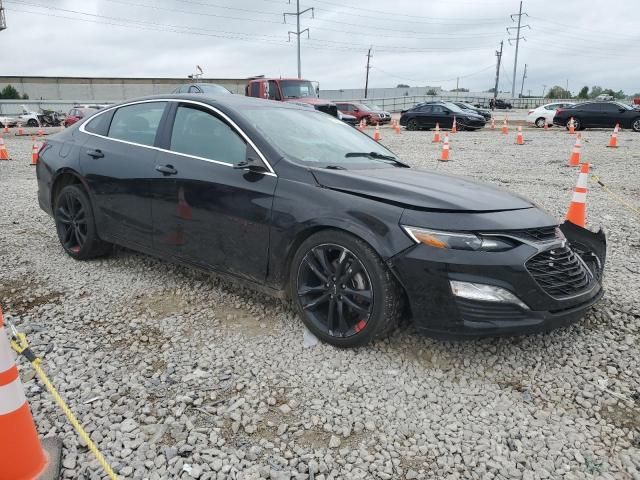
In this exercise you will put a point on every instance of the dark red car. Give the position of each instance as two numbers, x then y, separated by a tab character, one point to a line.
360	111
77	113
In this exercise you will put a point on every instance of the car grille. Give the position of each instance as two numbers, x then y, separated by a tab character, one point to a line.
559	272
330	109
542	234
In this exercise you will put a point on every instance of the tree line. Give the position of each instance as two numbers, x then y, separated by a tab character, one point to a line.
10	93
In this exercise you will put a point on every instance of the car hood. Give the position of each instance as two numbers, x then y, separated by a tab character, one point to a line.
421	189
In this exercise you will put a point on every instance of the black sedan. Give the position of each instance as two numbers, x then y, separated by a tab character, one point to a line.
598	115
486	114
301	205
426	115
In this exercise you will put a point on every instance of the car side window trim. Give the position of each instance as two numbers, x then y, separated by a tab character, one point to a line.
216	111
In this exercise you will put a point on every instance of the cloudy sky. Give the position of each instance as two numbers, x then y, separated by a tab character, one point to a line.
417	42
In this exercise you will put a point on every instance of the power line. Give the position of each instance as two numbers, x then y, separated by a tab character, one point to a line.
517	39
298	32
426	82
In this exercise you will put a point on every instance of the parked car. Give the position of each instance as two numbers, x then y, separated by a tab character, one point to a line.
204	88
426	115
545	113
486	114
27	118
499	104
598	115
77	113
361	111
603	97
8	121
298	204
348	119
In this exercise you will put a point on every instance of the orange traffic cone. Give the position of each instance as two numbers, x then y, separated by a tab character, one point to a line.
4	153
519	137
577	213
396	127
572	127
613	140
21	456
436	135
546	125
493	123
6	128
444	155
505	128
20	130
184	209
34	154
376	135
453	127
574	159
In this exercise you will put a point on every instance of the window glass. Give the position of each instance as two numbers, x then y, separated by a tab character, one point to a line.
438	109
609	107
100	124
137	123
255	89
591	107
552	106
200	133
274	93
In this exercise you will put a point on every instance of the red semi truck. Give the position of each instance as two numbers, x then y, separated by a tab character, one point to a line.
293	90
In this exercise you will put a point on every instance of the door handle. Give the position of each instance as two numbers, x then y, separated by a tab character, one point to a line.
166	169
97	153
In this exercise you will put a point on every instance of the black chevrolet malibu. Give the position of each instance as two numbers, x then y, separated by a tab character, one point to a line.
298	204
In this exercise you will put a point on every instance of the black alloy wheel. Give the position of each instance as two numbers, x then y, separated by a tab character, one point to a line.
344	293
32	122
412	124
75	224
635	125
576	124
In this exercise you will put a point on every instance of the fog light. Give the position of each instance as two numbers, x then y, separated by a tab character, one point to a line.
485	293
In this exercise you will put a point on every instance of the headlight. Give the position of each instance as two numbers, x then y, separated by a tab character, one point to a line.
456	240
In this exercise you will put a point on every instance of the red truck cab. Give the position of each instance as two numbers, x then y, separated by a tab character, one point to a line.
294	90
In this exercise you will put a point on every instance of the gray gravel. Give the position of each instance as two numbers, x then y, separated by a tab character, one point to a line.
176	374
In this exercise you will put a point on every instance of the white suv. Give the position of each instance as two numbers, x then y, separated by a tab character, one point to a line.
545	113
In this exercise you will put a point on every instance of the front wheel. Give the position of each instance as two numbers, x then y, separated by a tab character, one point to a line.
576	124
343	291
540	122
75	224
32	122
412	124
635	125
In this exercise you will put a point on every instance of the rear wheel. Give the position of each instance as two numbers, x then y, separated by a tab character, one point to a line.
540	122
412	124
576	124
75	224
343	291
32	122
636	124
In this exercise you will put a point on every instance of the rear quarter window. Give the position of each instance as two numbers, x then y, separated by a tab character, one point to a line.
137	123
99	124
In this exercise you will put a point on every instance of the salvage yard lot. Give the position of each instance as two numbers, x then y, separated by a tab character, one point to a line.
177	374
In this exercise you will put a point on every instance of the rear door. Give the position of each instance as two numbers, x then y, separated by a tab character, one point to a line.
589	114
442	116
118	161
610	115
205	211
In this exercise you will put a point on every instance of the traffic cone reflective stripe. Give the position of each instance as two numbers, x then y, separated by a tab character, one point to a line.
519	137
444	155
577	213
4	153
572	128
21	454
505	128
574	159
436	135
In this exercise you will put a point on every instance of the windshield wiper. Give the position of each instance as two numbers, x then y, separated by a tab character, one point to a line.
376	156
335	167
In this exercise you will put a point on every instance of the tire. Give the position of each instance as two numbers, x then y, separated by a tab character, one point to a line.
412	124
75	224
357	318
577	125
635	124
32	122
540	122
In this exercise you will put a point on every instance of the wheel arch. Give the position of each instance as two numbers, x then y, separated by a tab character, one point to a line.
63	178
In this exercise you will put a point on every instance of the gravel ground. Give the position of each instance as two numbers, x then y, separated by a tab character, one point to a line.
176	374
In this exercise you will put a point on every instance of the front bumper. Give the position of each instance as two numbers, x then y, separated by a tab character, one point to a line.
426	272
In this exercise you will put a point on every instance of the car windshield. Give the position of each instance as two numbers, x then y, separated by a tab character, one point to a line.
373	107
453	107
297	88
212	89
623	105
317	139
362	106
466	105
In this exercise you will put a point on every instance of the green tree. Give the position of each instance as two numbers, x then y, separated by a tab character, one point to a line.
558	92
9	93
25	96
595	91
584	92
432	91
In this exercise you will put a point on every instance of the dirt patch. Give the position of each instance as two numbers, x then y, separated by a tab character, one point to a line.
243	321
622	416
21	296
161	304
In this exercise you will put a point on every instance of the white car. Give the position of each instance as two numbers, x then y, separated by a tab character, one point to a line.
8	121
545	113
29	119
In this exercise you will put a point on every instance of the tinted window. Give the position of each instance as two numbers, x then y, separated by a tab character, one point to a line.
610	107
100	124
137	123
255	89
200	133
193	89
439	109
425	108
274	93
590	107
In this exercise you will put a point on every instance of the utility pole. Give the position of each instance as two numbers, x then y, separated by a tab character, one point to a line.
517	40
298	32
499	59
524	75
457	89
366	82
3	22
544	87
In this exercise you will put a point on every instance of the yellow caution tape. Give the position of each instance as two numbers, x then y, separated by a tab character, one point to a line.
21	346
613	195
